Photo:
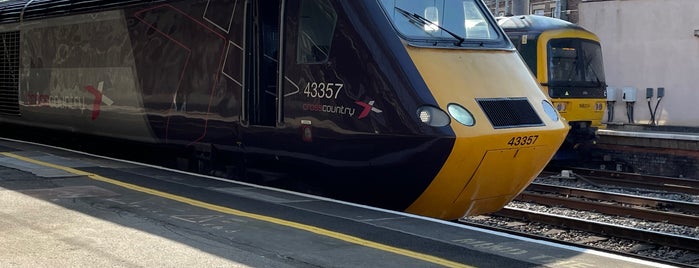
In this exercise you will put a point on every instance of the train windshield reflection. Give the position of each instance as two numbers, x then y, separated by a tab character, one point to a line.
447	19
575	69
576	61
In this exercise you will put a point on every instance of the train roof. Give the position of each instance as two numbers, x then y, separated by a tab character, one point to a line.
534	23
14	10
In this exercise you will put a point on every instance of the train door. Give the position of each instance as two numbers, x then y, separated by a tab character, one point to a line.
262	105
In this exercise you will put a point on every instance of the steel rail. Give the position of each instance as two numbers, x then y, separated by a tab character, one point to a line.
677	185
658	203
576	244
664	239
611	209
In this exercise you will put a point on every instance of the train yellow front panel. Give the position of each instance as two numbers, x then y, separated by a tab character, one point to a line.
577	109
482	167
496	175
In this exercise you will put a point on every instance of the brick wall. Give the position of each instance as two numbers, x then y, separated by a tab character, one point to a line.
573	14
652	161
662	157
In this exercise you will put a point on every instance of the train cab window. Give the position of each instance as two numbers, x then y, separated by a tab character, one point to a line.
317	21
563	64
574	62
435	19
475	24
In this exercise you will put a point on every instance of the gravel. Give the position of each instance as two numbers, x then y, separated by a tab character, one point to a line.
581	183
596	240
691	231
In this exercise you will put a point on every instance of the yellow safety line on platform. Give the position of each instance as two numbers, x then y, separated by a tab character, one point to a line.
300	226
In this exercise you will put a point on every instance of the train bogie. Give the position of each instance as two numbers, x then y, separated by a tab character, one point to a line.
362	101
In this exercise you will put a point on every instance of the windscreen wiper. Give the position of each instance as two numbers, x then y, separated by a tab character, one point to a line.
422	20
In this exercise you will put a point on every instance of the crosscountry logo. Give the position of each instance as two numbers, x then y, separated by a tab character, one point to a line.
368	107
99	99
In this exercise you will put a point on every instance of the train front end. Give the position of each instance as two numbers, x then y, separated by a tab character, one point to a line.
567	61
571	71
505	129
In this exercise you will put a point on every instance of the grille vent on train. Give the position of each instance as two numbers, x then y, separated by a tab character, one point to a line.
510	112
14	11
9	73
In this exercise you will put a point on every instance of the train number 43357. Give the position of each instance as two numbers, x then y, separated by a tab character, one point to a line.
523	140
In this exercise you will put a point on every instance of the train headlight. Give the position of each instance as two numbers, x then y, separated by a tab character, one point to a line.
561	106
599	106
433	116
461	115
550	110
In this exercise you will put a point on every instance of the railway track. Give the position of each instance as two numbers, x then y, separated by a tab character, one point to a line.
655	224
631	180
655	237
614	203
659	238
591	234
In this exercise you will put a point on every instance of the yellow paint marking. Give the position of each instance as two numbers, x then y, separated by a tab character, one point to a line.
296	225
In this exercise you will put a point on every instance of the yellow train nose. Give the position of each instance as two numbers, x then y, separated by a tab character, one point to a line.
477	179
501	176
513	132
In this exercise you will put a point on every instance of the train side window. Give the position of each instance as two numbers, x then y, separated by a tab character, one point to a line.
317	21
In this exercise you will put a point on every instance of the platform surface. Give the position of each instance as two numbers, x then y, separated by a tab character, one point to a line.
64	209
650	134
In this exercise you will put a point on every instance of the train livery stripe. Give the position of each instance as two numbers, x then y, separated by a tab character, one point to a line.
230	211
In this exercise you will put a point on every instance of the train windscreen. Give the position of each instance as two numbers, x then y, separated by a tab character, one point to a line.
463	20
575	69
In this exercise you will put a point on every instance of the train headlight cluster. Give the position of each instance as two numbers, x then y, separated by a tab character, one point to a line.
433	116
461	115
599	106
550	110
561	106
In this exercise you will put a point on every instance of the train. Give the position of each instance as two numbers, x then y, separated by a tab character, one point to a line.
567	61
409	106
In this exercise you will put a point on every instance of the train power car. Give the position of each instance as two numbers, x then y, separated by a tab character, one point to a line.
567	61
416	106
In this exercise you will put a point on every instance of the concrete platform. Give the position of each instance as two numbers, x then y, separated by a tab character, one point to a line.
651	136
64	209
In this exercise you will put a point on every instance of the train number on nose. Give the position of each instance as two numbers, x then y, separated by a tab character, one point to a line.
523	140
322	90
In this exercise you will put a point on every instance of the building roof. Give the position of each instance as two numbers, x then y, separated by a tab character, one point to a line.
534	23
